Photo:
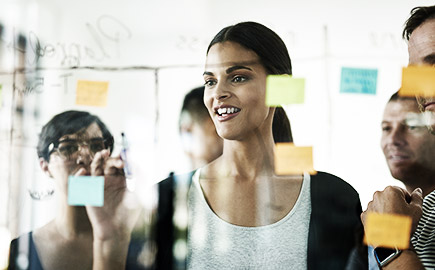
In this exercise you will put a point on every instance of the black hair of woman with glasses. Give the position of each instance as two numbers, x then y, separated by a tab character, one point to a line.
69	122
75	143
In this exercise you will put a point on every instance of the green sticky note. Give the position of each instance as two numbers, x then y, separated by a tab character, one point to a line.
284	89
86	190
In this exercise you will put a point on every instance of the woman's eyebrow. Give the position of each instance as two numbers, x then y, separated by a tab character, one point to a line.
228	71
233	68
67	140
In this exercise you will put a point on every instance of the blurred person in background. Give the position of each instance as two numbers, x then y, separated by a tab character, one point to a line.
76	143
198	134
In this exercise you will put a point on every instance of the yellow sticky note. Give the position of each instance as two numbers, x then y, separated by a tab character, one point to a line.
291	159
284	89
92	93
418	81
387	230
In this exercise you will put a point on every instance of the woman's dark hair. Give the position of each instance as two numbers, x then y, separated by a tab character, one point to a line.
69	122
418	16
281	129
273	56
193	103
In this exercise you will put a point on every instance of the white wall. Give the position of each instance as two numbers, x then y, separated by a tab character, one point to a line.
322	36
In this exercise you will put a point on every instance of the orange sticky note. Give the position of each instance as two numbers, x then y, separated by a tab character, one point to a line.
291	159
388	230
418	81
92	93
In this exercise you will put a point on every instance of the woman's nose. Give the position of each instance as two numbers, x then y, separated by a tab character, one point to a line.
221	92
84	155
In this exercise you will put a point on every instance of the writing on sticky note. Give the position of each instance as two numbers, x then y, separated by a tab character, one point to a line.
284	89
291	159
86	190
387	230
92	93
358	80
418	81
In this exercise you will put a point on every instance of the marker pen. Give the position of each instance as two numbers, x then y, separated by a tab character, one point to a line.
124	157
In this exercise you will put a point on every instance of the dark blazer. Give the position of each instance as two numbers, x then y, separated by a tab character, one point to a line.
335	227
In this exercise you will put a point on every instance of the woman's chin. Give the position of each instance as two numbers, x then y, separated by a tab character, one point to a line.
229	135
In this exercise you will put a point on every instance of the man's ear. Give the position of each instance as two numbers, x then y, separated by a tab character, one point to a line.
44	166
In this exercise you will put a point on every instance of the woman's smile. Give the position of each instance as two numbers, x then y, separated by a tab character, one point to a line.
226	112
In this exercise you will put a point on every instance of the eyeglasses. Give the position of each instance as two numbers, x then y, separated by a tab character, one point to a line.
69	148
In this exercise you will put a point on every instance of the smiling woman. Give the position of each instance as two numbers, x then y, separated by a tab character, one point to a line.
237	204
235	86
240	213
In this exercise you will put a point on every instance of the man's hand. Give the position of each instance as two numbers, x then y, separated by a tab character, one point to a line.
395	200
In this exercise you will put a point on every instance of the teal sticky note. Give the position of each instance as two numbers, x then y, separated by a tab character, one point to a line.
86	190
284	89
358	80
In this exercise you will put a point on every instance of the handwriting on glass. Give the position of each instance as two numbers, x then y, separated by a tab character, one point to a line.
106	29
33	86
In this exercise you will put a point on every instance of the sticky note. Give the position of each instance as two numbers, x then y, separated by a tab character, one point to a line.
418	81
387	230
284	89
86	190
358	80
291	159
92	93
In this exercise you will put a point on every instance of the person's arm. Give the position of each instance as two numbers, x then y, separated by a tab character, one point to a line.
110	253
395	200
113	223
408	259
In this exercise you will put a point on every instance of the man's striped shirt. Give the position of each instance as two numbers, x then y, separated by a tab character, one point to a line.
423	239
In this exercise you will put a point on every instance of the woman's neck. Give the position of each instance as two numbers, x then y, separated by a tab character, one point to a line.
248	159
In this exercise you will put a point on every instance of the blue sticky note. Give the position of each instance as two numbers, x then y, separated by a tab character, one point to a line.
358	80
86	190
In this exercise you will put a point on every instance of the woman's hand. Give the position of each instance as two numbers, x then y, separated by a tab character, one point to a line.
112	223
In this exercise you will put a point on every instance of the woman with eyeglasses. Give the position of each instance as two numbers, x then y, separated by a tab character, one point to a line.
76	143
